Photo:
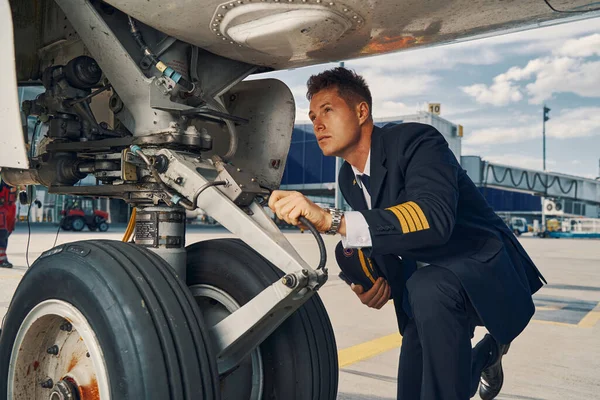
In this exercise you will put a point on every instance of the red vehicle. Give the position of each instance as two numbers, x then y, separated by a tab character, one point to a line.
83	212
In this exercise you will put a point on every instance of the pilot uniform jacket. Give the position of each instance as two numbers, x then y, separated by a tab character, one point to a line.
425	208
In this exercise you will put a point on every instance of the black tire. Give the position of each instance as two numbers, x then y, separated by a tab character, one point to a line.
148	325
65	224
103	226
299	358
77	224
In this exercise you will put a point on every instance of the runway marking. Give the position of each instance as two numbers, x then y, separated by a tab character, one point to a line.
375	347
544	322
590	318
368	349
550	308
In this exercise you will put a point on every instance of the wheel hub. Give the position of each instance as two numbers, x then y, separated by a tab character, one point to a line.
64	390
56	356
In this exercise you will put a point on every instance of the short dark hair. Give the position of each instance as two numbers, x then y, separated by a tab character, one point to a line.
351	86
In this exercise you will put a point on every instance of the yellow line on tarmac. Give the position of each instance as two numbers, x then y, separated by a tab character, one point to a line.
369	349
591	318
550	308
540	321
363	351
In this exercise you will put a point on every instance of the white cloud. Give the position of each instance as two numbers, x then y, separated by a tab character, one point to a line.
571	123
583	47
299	92
500	93
391	86
520	160
302	114
564	73
385	109
565	76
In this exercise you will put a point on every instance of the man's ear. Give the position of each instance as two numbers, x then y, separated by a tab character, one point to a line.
363	112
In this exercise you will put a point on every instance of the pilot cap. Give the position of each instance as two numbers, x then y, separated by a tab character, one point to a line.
356	267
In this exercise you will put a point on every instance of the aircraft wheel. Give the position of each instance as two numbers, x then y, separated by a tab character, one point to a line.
298	361
78	224
104	320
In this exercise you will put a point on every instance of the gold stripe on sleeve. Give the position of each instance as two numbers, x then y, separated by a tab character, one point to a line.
420	214
414	216
411	224
401	218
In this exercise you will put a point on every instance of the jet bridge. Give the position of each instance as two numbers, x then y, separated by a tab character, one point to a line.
547	184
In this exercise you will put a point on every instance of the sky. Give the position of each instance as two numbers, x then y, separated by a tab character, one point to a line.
496	88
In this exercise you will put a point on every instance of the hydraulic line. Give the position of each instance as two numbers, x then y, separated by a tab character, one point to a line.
159	65
319	239
130	226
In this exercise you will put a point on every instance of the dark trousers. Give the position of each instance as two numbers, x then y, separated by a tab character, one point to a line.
436	358
4	234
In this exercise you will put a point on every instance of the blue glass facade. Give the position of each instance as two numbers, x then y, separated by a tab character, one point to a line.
504	200
306	163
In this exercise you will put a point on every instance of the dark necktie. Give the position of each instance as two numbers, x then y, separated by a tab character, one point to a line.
366	181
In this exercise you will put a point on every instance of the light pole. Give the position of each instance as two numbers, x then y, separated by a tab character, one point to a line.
546	118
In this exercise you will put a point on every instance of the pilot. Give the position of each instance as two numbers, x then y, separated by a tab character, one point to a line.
445	258
8	197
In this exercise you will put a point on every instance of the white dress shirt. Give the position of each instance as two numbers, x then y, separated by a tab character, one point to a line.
357	229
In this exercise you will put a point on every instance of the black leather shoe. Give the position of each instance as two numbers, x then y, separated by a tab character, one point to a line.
492	376
5	264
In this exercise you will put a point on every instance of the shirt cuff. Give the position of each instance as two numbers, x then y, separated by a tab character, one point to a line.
357	231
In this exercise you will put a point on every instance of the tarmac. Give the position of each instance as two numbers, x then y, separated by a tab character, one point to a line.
557	357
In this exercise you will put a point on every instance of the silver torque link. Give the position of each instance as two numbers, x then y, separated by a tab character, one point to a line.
240	333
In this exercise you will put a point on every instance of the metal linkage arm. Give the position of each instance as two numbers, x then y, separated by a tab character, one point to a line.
241	332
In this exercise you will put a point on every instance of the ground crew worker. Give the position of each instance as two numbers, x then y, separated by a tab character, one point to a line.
446	259
8	214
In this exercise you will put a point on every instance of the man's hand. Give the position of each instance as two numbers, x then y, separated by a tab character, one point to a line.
289	206
377	296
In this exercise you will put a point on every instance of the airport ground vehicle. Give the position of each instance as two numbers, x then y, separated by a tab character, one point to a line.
81	213
519	225
580	228
150	98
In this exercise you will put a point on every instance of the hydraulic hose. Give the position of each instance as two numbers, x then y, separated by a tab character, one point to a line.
319	239
130	226
159	65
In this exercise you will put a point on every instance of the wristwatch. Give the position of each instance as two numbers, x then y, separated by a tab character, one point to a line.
336	220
